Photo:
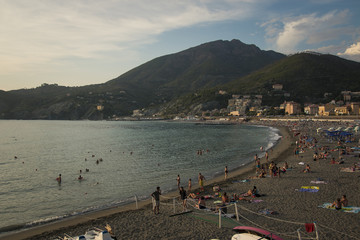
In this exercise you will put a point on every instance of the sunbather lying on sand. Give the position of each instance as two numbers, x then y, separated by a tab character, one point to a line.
307	168
336	204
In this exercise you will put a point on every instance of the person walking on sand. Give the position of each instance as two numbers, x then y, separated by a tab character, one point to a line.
226	172
183	197
156	200
201	182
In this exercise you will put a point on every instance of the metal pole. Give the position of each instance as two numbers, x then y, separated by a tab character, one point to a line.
174	205
317	234
136	202
236	212
298	231
219	217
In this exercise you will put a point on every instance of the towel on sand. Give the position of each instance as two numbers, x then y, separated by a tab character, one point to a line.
348	169
349	209
241	181
319	182
308	189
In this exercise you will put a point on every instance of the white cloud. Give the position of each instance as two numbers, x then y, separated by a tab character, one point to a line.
354	49
352	52
289	33
36	32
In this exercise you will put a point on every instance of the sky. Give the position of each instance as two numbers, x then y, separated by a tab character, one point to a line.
83	42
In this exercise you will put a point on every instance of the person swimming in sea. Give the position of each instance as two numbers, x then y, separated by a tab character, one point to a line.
59	178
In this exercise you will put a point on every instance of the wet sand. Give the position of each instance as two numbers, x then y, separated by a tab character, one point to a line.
290	208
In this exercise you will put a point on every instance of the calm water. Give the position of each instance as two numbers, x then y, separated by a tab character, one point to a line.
137	157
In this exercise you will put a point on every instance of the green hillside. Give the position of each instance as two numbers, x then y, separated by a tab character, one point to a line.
188	82
306	77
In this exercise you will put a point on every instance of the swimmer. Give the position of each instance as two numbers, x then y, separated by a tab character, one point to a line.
59	178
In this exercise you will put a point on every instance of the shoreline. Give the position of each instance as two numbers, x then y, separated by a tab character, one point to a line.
281	208
240	171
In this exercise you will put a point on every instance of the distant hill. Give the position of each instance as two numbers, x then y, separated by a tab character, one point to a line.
151	84
305	77
303	74
204	66
189	82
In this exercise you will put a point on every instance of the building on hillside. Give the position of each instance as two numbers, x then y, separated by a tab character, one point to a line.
292	108
311	109
277	87
234	113
241	104
137	113
347	97
326	109
355	108
99	107
343	110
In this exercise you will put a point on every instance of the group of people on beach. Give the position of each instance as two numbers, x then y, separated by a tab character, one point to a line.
182	192
304	143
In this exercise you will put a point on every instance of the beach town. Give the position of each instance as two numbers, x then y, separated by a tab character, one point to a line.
306	187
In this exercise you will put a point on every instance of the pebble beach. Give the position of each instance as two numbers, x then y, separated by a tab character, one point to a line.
282	208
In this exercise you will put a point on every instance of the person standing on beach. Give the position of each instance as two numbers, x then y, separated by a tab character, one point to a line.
189	185
201	182
156	200
257	163
226	172
267	156
178	181
183	197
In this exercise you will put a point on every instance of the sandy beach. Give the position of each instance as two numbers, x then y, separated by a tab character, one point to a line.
283	207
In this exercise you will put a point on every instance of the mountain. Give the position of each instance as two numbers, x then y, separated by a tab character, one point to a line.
155	82
204	66
189	82
306	77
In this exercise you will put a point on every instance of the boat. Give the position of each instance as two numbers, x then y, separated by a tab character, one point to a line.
252	233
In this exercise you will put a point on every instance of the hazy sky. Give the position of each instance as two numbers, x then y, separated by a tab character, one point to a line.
78	42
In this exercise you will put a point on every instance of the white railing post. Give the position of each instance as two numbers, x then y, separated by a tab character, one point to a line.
136	202
219	217
236	212
316	231
174	205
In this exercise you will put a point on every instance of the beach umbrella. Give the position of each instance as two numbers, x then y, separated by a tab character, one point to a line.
356	129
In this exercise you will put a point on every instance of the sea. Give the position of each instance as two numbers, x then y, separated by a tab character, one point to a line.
118	160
